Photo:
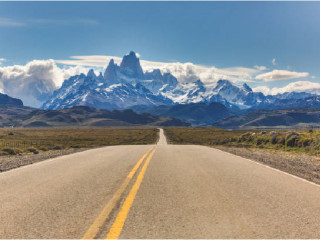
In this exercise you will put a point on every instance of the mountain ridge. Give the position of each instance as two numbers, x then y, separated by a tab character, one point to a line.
80	116
127	86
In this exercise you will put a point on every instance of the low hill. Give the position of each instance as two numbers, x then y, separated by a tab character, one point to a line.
284	118
193	113
5	99
87	116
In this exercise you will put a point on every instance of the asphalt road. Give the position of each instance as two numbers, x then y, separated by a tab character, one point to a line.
156	191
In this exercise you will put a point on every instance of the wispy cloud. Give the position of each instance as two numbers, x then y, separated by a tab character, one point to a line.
274	62
8	22
2	60
281	75
77	21
260	68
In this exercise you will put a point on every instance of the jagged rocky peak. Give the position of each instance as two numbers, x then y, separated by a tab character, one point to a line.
130	65
111	72
223	82
199	83
155	74
246	87
91	74
170	79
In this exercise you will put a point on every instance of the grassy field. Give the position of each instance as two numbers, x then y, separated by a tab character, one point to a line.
22	140
307	141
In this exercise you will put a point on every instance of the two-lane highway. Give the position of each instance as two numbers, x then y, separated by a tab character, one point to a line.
156	191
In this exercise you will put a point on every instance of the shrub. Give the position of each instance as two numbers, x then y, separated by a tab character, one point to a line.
259	141
292	141
43	148
306	142
32	150
57	148
274	139
281	141
10	151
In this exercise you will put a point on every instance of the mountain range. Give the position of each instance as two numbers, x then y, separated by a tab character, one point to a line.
159	96
127	85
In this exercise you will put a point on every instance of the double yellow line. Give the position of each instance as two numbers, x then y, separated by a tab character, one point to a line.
117	226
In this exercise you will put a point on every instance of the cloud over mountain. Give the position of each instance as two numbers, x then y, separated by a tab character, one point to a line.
184	72
35	81
299	86
281	75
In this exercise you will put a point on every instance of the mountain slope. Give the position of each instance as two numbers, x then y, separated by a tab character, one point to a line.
5	99
292	102
193	113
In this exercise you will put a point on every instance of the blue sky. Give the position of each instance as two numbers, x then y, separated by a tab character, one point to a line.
221	34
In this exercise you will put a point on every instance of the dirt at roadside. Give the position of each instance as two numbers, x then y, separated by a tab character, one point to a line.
11	162
301	165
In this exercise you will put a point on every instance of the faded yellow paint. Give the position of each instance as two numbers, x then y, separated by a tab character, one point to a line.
117	226
100	220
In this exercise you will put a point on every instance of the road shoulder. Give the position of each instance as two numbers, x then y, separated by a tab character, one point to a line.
300	165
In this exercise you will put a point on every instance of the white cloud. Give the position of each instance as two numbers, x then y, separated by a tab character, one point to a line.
8	22
2	60
281	75
260	68
274	61
185	72
299	86
35	81
264	89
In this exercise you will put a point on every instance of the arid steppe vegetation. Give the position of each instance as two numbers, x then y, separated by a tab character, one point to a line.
306	141
22	146
21	140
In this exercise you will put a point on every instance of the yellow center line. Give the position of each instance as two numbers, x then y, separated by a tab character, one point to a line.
117	226
100	220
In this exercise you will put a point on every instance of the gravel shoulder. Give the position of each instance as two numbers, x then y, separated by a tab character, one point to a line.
11	162
301	165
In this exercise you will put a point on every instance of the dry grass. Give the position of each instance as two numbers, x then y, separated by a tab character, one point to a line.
307	141
22	140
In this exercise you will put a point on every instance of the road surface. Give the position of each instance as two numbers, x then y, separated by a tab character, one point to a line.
156	191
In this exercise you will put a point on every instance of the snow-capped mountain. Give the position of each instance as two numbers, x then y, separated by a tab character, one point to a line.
120	87
128	85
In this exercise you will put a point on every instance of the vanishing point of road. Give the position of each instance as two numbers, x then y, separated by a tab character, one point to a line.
156	191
